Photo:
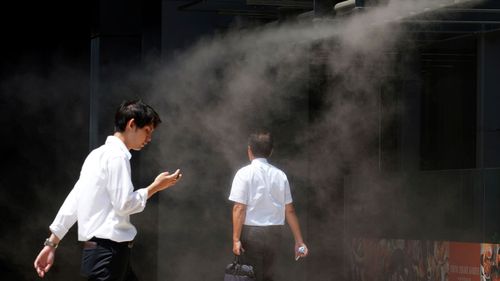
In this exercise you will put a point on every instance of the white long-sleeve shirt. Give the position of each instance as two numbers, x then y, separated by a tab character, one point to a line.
103	198
265	190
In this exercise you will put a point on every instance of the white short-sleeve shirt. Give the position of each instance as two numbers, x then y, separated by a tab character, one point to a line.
265	190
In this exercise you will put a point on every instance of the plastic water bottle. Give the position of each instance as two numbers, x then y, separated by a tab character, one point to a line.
301	250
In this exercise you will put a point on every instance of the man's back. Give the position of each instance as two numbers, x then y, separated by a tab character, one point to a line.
262	203
265	190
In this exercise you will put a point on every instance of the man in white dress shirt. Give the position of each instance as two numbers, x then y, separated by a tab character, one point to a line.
262	202
103	199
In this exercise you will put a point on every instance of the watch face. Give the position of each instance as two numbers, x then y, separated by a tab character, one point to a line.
49	243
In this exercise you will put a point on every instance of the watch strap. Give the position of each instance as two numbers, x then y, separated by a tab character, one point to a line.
50	243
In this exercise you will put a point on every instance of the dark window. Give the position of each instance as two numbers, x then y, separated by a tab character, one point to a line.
448	136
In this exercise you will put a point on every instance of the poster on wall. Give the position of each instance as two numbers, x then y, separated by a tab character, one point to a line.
415	260
490	262
399	260
464	261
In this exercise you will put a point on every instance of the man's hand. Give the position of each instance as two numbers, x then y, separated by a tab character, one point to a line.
164	181
44	260
301	251
237	248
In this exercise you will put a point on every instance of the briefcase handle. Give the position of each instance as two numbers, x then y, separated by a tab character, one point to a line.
236	259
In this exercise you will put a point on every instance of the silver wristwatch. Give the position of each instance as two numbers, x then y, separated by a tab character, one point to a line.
50	243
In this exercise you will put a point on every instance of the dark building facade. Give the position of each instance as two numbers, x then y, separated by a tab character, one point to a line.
432	171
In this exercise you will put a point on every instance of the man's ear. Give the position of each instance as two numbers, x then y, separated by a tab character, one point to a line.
131	123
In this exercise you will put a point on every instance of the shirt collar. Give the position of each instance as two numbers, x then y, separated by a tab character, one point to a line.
259	160
116	142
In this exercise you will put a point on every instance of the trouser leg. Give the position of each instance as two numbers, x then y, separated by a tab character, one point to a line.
268	266
261	245
272	240
253	253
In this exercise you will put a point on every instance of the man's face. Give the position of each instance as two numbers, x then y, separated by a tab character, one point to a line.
141	136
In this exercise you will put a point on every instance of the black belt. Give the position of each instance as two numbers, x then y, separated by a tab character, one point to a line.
273	226
93	242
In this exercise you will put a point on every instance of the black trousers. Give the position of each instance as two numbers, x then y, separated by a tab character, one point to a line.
106	260
261	244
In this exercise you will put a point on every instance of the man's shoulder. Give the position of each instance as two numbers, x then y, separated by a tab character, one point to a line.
106	151
244	169
271	166
279	171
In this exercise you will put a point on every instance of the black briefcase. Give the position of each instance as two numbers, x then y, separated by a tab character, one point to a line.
236	271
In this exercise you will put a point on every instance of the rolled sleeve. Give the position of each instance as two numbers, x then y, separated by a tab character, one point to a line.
58	231
143	196
67	215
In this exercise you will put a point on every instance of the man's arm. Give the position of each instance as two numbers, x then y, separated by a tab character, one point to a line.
64	220
121	192
45	258
239	213
293	222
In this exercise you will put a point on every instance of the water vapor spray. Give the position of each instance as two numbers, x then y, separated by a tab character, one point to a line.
316	83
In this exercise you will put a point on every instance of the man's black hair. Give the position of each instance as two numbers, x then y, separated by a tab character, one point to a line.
261	143
142	113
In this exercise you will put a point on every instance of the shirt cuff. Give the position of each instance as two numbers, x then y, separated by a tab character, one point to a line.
143	193
238	200
58	231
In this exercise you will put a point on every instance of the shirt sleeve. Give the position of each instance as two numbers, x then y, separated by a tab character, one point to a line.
124	199
239	189
67	214
288	194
